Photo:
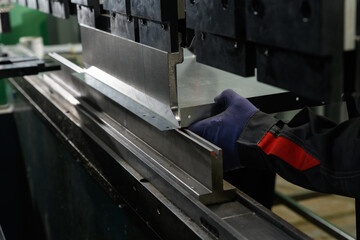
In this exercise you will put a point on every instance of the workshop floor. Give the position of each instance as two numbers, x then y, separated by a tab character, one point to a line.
337	210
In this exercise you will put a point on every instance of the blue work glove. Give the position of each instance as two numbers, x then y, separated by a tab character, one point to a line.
225	128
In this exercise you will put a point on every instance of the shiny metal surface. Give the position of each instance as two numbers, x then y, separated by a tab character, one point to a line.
189	115
198	84
142	105
190	101
160	83
148	70
182	153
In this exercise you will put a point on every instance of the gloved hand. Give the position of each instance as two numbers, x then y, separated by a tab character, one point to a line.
225	128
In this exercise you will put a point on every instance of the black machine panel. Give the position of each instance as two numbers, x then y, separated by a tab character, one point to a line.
220	35
124	26
314	27
297	45
160	35
88	3
118	6
317	78
225	53
156	10
224	18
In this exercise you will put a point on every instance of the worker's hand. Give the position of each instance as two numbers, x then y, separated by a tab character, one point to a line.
225	128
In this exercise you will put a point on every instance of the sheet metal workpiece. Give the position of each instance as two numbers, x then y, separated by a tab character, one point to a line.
147	70
161	91
178	153
140	157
